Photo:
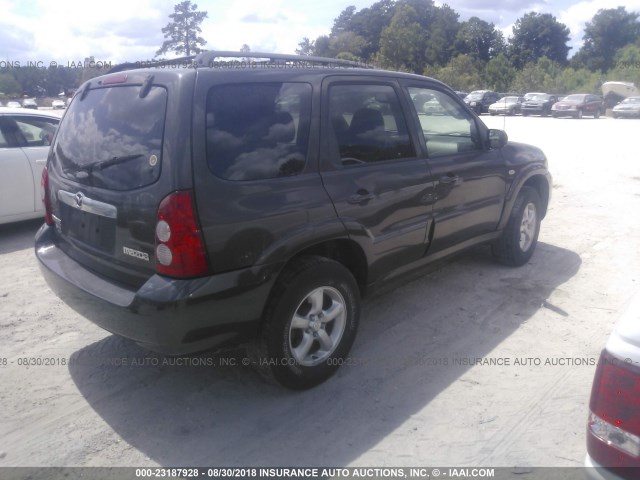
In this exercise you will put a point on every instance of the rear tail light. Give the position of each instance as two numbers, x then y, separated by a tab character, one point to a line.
613	431
46	196
180	250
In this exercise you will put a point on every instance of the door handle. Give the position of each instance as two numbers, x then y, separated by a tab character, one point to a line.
450	179
361	197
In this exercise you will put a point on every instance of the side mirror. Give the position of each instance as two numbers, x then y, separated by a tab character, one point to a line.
497	138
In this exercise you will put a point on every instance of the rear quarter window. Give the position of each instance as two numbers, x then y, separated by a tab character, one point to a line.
258	131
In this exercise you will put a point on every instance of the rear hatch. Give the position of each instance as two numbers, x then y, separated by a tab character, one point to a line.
109	168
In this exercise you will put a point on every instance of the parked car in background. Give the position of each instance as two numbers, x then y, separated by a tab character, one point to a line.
219	224
539	104
479	100
461	94
530	95
29	103
58	105
25	137
613	426
577	105
14	104
506	106
627	108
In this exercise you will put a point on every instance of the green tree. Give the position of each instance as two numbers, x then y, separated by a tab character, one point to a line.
461	73
537	35
499	73
539	76
321	46
627	65
182	32
402	42
9	85
479	39
442	35
370	22
347	42
342	23
306	47
608	31
571	80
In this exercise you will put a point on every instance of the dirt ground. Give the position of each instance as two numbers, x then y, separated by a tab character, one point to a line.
476	364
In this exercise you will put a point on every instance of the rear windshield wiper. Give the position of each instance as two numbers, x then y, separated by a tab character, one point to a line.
107	163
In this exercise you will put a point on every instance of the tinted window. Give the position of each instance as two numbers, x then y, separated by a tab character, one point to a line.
113	138
258	131
447	127
367	125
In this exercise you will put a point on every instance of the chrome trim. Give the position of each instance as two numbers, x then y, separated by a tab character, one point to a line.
81	202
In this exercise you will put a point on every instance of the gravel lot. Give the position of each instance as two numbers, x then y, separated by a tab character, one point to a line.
413	394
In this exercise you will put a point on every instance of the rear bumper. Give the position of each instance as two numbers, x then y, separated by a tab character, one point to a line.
595	471
166	315
534	110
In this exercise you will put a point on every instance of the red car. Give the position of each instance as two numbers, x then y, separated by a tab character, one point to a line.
577	105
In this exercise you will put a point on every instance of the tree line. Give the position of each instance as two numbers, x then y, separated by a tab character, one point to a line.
419	37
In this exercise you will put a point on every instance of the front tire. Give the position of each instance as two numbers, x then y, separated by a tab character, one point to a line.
310	323
520	236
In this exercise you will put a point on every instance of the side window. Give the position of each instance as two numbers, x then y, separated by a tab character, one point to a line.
10	134
37	131
258	131
447	127
366	125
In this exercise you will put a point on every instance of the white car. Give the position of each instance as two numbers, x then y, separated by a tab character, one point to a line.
506	106
613	428
628	108
58	104
25	136
14	104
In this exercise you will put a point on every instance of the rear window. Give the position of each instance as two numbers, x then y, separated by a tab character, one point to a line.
258	131
113	138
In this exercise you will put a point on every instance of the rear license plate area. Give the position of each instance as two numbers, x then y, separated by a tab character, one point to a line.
88	228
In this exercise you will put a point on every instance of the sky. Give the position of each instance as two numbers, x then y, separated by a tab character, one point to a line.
115	31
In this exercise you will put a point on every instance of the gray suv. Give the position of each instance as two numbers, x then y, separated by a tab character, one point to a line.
259	201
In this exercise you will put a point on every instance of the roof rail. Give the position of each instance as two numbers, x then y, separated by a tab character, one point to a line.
184	61
207	59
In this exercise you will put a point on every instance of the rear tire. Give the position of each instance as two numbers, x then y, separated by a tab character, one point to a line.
520	236
310	323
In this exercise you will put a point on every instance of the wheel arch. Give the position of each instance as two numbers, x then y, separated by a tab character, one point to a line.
541	184
538	179
342	250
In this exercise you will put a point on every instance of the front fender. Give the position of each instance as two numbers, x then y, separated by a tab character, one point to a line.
529	167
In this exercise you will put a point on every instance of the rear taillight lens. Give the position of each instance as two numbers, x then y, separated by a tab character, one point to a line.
46	196
613	431
180	250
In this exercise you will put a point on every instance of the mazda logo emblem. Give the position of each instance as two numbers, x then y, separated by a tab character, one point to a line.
79	197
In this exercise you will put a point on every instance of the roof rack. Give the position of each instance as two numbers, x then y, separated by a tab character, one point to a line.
184	61
207	59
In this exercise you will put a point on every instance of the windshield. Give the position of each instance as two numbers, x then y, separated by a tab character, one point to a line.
631	100
112	138
475	96
540	97
574	98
